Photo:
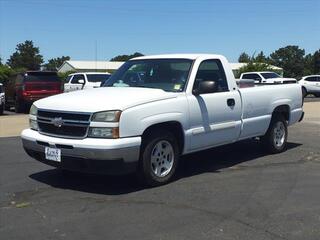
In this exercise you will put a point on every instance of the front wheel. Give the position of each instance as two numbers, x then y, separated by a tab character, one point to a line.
275	140
159	158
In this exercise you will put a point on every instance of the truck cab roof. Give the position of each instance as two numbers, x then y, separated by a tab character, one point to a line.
191	56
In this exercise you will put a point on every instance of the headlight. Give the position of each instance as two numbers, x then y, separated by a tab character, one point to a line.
33	110
103	132
107	116
33	124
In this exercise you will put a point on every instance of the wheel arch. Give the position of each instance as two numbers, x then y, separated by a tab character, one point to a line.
175	127
283	110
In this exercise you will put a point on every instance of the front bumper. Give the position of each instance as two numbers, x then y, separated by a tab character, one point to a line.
91	155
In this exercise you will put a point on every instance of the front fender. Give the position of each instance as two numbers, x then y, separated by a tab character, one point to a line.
136	120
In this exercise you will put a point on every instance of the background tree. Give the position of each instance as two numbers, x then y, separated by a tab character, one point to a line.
291	59
261	58
5	73
0	61
255	67
26	56
244	58
124	58
308	65
316	62
54	63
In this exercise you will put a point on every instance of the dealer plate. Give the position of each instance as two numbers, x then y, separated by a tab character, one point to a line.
53	154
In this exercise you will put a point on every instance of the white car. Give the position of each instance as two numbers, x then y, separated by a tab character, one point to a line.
311	84
85	80
2	99
267	78
170	105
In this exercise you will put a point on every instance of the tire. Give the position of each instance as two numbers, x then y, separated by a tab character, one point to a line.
304	92
275	139
317	94
19	106
158	159
1	109
7	107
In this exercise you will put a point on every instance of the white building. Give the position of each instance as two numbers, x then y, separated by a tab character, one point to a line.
89	66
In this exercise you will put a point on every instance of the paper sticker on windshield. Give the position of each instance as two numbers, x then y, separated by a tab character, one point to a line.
177	86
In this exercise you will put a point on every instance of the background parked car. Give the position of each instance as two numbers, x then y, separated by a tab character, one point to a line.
2	99
266	77
311	84
25	88
85	80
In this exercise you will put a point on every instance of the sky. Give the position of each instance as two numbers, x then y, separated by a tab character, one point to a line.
78	28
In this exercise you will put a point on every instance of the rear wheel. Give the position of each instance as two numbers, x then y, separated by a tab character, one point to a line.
159	158
20	106
275	140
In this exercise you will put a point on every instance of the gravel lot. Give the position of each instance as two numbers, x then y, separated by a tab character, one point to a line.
231	192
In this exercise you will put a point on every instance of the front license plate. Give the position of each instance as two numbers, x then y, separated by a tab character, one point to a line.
53	154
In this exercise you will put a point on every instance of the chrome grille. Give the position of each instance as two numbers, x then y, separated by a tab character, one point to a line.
63	124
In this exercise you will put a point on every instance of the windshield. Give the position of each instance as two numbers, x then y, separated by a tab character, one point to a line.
41	77
166	74
270	75
97	77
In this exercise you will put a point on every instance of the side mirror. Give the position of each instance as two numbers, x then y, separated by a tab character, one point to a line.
81	81
206	87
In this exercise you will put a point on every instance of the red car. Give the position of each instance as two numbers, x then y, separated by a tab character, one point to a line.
25	88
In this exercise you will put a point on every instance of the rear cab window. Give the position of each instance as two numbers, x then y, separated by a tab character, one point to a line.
41	77
252	76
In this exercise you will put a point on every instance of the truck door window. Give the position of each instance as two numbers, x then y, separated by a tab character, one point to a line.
76	78
311	79
212	70
252	76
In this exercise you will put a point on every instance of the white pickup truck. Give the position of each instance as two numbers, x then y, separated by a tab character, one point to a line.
267	78
85	80
155	109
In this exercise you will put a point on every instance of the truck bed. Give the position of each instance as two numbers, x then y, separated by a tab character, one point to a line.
258	110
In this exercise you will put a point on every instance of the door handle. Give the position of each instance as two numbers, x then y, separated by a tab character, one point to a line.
231	102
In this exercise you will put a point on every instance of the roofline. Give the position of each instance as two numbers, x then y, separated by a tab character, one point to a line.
66	61
191	56
314	75
88	73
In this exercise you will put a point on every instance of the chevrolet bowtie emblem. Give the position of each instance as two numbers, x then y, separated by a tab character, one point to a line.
58	122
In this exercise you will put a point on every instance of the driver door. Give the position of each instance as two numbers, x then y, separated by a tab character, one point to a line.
215	118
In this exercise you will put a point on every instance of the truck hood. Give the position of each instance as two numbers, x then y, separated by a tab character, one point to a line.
102	99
